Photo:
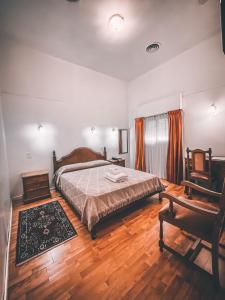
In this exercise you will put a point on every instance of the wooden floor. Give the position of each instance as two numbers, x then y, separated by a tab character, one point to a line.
123	263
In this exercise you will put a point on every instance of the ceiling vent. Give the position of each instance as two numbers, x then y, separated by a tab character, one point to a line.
72	0
153	47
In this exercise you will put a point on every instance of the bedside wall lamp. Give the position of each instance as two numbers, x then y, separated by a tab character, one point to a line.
40	126
213	108
92	129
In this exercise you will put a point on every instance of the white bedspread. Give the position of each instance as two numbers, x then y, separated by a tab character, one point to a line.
95	197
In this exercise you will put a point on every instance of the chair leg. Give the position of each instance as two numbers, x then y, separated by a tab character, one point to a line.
215	263
161	243
93	233
190	193
223	227
210	186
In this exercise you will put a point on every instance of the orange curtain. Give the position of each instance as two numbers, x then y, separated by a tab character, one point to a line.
140	147
175	148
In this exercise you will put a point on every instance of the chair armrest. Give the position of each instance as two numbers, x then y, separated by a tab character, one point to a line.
200	189
189	205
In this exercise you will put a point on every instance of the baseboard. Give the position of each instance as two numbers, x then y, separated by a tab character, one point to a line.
18	197
7	257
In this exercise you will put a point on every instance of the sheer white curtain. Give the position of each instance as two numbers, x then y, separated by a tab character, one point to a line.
156	144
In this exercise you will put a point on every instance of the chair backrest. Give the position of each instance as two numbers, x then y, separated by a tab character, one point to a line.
198	160
222	198
221	223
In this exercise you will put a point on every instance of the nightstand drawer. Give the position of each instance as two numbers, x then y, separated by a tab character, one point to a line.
36	179
40	193
119	162
36	186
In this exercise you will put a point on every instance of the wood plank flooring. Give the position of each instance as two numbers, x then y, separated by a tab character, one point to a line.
124	262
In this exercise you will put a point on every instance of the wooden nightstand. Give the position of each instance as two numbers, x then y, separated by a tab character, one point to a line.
119	162
35	186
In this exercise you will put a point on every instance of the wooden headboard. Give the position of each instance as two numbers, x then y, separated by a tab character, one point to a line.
78	155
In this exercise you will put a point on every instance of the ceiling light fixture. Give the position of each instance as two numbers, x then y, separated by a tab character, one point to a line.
153	47
116	22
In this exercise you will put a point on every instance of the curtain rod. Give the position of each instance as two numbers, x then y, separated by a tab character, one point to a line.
165	113
181	94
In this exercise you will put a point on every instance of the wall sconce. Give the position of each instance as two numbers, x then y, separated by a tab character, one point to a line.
92	129
213	108
113	129
40	126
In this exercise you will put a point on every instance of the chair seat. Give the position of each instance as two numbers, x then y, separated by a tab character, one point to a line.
192	222
200	176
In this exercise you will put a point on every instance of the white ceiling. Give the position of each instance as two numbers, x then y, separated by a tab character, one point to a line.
79	32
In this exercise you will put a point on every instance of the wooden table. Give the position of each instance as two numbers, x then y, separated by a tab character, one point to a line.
218	171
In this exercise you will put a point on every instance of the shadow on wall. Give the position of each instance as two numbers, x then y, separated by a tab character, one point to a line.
38	140
41	136
95	136
204	121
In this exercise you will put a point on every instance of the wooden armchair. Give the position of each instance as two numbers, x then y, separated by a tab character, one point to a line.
197	169
198	218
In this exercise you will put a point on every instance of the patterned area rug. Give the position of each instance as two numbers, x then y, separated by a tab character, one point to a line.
41	228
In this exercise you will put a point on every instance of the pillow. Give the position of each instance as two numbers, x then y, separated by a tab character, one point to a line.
79	166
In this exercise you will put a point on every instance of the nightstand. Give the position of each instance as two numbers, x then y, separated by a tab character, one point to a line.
35	186
119	162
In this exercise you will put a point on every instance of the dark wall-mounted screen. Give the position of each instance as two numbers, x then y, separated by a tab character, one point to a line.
223	23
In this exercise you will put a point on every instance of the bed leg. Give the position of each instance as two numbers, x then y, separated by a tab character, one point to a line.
93	234
161	243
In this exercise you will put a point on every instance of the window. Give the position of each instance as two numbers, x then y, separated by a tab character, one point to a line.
156	144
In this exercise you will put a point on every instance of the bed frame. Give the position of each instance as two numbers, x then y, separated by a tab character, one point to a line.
84	154
78	155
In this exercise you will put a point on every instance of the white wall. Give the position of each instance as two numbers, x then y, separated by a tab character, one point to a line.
66	99
5	205
200	68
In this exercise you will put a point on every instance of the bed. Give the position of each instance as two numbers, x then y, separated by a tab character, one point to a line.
80	178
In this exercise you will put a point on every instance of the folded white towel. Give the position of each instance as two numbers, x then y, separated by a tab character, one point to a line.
116	177
114	170
115	180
